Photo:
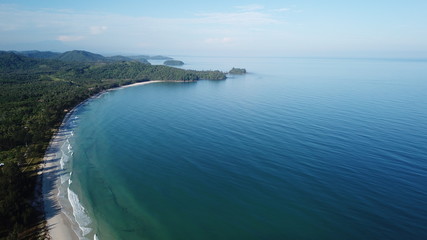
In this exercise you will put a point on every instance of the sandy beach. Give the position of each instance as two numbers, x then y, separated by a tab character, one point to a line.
148	82
140	83
58	224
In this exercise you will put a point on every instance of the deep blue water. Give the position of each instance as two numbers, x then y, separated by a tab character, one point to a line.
295	149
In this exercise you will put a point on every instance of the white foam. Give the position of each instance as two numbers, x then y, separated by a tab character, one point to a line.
70	149
65	177
79	212
66	154
64	159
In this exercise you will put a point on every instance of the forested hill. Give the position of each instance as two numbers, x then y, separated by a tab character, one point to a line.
84	56
35	94
81	65
81	56
39	54
14	63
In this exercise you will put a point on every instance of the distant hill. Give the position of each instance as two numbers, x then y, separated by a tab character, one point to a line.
77	65
87	57
39	54
140	58
119	58
12	62
159	57
81	56
144	58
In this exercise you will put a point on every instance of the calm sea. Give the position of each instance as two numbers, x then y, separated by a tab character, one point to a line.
295	149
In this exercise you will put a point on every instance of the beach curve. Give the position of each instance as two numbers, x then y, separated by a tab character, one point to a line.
58	224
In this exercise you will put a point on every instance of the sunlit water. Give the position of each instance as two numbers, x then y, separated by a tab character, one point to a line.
295	149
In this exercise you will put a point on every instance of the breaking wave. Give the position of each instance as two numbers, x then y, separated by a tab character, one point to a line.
79	213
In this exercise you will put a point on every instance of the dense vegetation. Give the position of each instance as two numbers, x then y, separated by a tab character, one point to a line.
237	71
35	94
173	63
16	210
39	54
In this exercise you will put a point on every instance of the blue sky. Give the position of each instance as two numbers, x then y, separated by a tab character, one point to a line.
392	28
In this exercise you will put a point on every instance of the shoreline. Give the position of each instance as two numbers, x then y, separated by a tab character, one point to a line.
148	82
58	224
137	84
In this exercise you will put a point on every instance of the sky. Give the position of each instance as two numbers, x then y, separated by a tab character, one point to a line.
269	28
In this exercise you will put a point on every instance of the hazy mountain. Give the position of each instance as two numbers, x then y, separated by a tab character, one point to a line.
159	57
40	54
81	56
85	56
123	58
147	57
119	58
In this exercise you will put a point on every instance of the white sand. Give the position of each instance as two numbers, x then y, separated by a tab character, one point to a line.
58	224
140	83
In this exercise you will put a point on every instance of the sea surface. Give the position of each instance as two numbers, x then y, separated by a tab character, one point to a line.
298	148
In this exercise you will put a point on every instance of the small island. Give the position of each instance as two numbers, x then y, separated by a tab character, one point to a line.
237	71
173	63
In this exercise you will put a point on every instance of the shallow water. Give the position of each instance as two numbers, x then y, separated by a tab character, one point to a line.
297	149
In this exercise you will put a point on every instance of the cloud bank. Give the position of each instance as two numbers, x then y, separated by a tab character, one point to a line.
255	30
200	32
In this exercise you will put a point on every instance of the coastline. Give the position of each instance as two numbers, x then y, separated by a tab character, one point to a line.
148	82
138	84
59	225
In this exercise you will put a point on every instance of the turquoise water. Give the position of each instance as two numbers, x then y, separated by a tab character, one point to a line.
296	149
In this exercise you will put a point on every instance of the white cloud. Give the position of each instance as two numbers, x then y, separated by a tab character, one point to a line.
211	32
67	38
282	9
242	18
95	30
223	40
250	7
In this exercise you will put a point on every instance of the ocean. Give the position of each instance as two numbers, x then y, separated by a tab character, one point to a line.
298	148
